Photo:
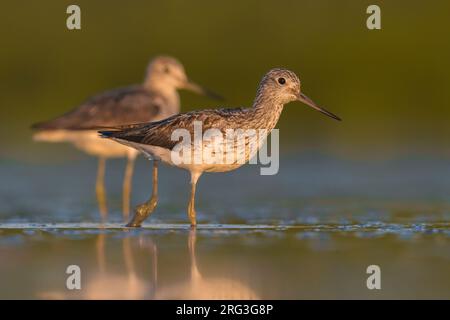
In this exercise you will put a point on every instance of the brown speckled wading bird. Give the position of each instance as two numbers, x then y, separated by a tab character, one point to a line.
156	99
277	88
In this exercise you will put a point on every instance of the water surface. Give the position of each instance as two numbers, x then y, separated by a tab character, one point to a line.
309	232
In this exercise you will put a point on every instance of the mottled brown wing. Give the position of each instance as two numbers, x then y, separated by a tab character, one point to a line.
160	133
116	107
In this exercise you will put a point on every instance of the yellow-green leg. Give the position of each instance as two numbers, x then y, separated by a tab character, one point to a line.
127	188
100	189
142	211
191	206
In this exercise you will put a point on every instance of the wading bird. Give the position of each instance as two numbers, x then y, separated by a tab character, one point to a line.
156	99
277	88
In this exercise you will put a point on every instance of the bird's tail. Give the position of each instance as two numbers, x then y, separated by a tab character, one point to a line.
107	134
116	131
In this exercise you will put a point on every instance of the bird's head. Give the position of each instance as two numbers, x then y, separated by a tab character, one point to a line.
168	73
283	86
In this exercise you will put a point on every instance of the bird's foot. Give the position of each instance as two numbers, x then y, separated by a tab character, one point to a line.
192	217
141	213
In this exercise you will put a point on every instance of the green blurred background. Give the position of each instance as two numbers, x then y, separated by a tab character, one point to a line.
390	86
373	189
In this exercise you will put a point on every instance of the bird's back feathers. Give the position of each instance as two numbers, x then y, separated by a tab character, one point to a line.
126	105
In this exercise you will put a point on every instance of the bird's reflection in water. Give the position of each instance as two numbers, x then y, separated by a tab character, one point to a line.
199	287
108	285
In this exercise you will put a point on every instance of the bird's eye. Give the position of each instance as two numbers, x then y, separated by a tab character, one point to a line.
166	69
281	80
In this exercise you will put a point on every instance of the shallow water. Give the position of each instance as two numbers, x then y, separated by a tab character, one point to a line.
309	232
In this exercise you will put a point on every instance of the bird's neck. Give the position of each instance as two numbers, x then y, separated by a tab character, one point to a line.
266	111
167	92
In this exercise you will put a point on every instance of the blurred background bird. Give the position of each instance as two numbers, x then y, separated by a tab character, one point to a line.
155	99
